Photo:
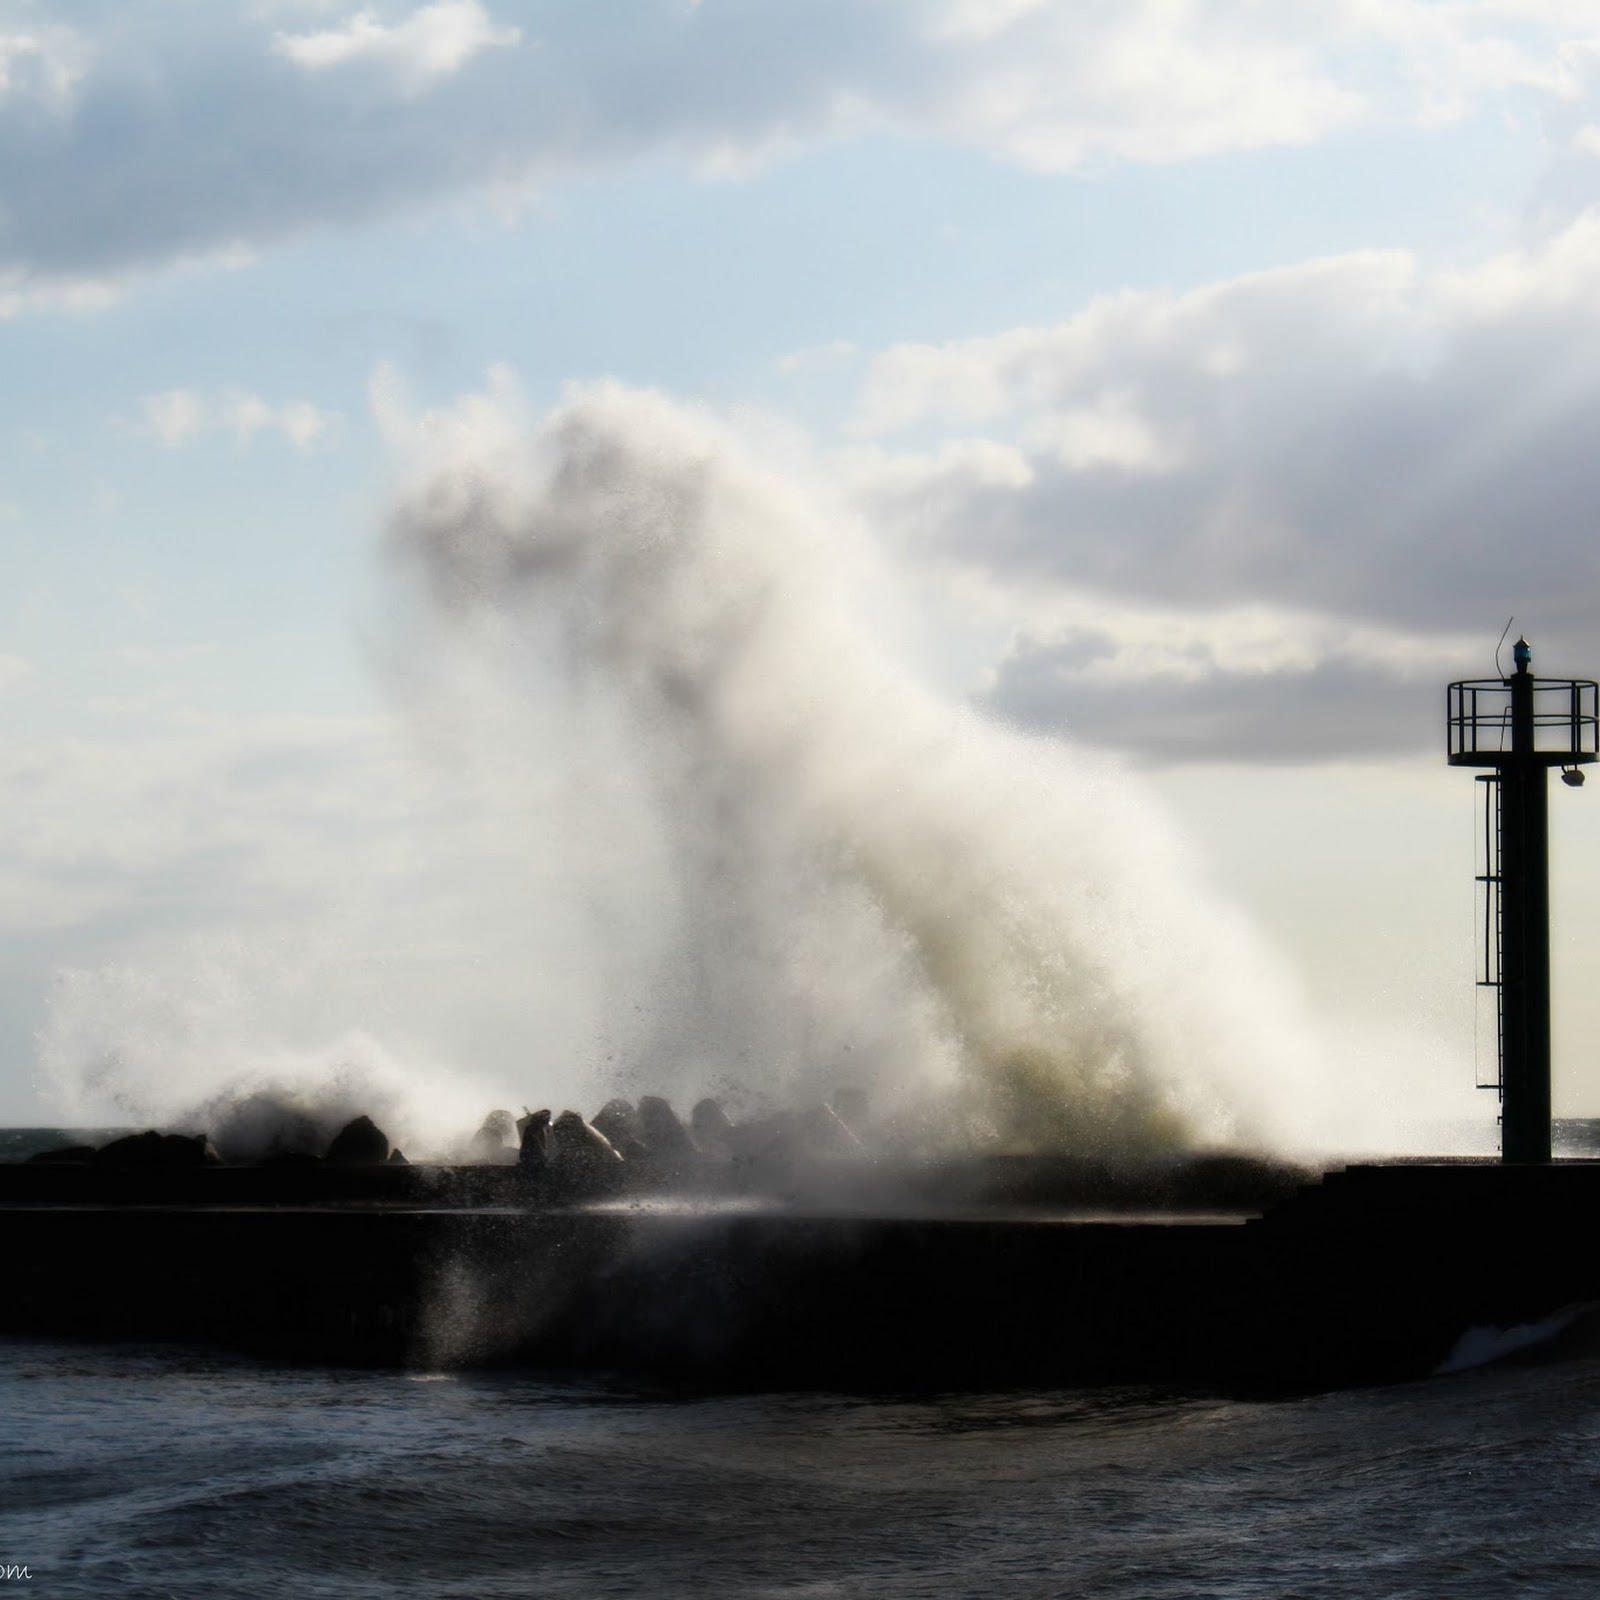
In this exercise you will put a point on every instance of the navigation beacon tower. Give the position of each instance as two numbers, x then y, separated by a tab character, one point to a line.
1520	727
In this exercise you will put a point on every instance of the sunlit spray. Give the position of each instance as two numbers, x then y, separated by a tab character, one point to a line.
690	824
218	1035
997	934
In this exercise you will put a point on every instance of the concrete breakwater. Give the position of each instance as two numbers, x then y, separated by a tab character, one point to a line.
1029	1274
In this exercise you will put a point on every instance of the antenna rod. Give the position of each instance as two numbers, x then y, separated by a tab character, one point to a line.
1498	642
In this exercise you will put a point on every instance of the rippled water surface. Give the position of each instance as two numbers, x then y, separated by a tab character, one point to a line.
145	1472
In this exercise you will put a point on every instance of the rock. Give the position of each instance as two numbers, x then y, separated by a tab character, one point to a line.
665	1137
574	1144
712	1131
583	1165
535	1149
68	1152
397	1159
152	1149
360	1142
710	1122
265	1124
620	1124
496	1140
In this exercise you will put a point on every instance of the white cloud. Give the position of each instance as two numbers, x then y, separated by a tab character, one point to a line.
177	417
1108	432
1385	461
1027	371
138	166
43	64
1145	82
174	417
22	295
956	465
434	42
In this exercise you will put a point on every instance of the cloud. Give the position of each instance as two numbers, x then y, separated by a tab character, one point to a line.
199	809
71	295
177	417
1354	448
1351	440
147	135
40	64
432	43
1246	685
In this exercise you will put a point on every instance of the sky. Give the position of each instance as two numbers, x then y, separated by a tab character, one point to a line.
1201	386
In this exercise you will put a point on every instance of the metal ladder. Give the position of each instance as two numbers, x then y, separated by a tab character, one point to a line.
1489	946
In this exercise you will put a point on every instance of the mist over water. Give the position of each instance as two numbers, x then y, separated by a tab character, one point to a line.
219	1035
706	831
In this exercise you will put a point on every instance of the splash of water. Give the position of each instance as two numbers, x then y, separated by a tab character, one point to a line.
861	883
203	1037
697	827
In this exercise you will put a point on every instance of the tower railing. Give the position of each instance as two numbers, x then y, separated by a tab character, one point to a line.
1565	724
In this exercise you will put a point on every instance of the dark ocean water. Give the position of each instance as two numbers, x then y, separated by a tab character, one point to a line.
171	1472
158	1472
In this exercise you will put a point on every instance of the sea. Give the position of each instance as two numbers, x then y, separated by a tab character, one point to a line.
171	1471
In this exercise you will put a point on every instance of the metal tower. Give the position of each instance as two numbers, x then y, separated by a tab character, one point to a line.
1520	727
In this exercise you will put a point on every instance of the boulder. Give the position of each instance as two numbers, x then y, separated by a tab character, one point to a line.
709	1122
496	1140
265	1124
67	1152
534	1151
152	1149
665	1137
577	1146
622	1127
360	1142
712	1130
